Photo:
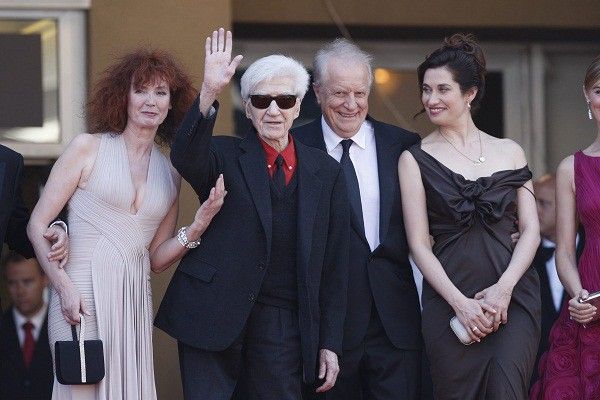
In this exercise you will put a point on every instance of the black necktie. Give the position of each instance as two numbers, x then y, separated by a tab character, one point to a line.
279	175
546	253
352	182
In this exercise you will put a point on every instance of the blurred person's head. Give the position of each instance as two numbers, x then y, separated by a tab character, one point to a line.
146	89
591	88
26	283
343	75
272	89
452	80
545	194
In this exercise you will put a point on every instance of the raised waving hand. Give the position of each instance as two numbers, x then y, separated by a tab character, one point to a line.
218	67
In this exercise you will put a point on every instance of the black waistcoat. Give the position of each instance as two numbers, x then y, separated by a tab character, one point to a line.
280	286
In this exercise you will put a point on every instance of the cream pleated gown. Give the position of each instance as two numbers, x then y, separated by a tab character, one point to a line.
110	266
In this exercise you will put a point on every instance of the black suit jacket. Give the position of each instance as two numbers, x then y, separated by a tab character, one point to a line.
384	275
549	313
14	216
16	381
216	285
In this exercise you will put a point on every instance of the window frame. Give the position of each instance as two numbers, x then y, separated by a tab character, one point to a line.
72	70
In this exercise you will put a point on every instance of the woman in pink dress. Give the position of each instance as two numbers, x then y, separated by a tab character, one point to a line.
571	368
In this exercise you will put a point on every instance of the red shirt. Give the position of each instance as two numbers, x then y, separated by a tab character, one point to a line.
289	158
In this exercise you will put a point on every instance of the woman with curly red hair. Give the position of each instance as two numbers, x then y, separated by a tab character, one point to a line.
122	197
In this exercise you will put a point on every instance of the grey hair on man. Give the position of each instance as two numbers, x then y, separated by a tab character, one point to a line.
343	49
275	66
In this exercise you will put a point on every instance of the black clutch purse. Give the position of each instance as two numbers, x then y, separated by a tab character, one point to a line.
79	362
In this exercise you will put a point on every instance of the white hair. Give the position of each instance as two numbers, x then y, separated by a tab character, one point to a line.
342	49
275	66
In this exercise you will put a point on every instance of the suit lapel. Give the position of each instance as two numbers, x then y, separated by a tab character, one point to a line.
545	291
41	345
309	189
13	343
314	135
387	167
254	167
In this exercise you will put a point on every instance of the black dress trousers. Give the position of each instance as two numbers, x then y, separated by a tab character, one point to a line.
265	364
377	370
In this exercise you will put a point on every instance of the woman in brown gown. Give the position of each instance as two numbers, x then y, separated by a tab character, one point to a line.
462	187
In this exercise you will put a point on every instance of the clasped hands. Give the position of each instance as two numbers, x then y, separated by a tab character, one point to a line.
484	313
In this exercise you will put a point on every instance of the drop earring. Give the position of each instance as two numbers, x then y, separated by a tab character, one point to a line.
589	111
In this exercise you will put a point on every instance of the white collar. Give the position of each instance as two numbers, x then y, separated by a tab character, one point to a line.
548	243
37	320
332	139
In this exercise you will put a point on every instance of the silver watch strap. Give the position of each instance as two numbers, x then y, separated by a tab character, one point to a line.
184	241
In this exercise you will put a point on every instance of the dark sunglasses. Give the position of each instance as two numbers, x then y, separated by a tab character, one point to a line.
283	101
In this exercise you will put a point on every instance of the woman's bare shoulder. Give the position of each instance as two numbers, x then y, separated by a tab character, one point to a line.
85	143
504	144
508	149
566	166
81	152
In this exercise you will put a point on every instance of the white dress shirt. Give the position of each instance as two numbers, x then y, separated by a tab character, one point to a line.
556	287
363	154
37	320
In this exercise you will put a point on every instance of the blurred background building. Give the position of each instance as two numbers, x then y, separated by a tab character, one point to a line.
51	51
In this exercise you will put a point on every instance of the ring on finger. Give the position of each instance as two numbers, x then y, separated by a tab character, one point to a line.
474	329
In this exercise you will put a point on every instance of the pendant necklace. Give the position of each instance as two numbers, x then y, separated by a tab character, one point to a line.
481	158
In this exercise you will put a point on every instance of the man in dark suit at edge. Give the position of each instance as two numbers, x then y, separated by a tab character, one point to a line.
14	215
25	363
382	346
552	291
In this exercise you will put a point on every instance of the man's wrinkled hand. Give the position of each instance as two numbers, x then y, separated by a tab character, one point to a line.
219	67
329	369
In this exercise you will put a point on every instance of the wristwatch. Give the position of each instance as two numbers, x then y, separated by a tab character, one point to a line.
183	239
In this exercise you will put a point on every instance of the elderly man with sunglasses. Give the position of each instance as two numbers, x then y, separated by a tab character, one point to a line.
260	302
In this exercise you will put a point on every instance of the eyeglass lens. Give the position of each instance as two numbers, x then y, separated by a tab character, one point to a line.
263	101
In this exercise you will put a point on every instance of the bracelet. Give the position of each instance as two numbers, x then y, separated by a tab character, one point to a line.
184	241
61	224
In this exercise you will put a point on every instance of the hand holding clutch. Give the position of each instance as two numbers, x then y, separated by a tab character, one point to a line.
79	361
471	320
583	308
460	331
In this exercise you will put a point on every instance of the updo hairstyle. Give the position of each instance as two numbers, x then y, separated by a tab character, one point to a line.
592	74
464	58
